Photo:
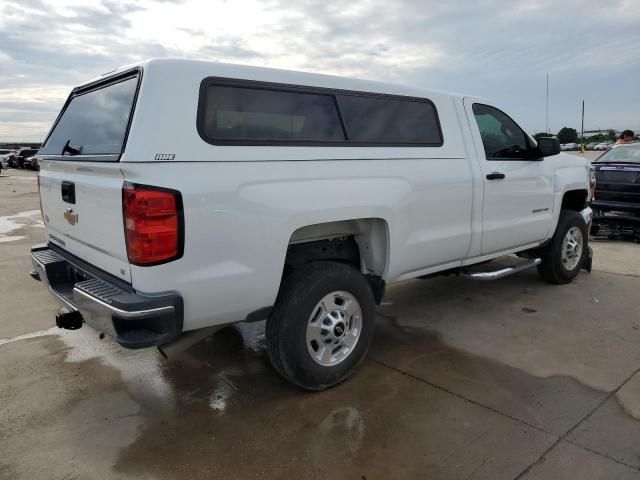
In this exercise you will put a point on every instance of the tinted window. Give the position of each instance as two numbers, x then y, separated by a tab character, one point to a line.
382	120
622	154
502	137
94	122
235	113
27	153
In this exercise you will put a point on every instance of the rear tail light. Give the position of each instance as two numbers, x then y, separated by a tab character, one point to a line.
153	224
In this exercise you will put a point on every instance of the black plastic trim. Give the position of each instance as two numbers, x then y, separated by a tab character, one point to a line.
285	87
612	205
378	287
152	330
82	265
259	315
68	191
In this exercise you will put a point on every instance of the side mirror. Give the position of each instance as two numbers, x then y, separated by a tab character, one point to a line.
549	146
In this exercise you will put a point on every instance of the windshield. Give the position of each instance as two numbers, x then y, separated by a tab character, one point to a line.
95	122
626	154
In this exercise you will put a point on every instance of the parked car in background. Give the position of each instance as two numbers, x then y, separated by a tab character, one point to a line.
592	145
616	197
569	146
604	146
22	155
4	157
10	157
32	163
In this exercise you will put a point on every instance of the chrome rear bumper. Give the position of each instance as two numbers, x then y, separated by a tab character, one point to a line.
108	305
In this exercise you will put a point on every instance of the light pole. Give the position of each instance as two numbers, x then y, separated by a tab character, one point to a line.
547	111
582	130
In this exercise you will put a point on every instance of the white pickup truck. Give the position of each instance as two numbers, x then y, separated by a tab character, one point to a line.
181	196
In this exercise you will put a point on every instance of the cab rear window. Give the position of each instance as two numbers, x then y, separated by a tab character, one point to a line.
94	121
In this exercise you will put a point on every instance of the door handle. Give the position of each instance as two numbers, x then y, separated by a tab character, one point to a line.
68	190
495	176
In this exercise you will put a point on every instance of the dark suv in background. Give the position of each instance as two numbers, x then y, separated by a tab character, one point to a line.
616	199
18	161
32	163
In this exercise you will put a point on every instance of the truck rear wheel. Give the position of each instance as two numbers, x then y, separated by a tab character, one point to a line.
321	326
563	258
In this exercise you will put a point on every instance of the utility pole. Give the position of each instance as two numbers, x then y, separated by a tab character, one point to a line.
582	130
547	114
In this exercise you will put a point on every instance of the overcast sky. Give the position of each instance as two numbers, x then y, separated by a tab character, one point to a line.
497	49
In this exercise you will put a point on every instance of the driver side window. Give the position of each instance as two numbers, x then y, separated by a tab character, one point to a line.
502	138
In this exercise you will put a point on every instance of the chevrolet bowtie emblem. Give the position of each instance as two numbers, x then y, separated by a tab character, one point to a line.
71	216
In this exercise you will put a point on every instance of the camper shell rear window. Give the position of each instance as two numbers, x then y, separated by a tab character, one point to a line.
238	112
94	122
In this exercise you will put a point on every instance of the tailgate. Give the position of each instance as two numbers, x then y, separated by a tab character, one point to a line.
82	207
80	178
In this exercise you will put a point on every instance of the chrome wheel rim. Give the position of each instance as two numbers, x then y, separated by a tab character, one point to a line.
334	328
572	246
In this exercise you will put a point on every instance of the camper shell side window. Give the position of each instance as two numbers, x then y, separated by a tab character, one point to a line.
237	112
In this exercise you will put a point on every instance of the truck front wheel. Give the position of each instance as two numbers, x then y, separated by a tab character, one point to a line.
321	326
563	258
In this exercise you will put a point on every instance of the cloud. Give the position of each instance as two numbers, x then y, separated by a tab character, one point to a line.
496	49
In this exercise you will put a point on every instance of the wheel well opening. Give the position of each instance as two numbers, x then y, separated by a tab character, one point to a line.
342	249
360	243
574	200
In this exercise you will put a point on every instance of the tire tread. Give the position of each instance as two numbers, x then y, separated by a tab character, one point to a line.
550	269
292	296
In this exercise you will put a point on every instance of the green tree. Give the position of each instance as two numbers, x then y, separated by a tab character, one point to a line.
601	137
612	135
540	135
568	135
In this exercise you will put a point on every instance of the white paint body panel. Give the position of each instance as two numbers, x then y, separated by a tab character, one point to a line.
243	204
518	209
98	237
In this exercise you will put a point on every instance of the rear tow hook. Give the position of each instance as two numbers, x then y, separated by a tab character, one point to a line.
69	320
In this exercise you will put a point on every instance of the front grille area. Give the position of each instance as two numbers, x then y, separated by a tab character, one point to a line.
617	176
612	196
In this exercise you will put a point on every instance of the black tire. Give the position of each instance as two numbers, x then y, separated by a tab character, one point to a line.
287	325
552	269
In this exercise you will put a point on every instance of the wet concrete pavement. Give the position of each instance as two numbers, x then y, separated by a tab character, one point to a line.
465	380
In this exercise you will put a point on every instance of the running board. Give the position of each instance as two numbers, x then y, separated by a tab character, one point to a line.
504	272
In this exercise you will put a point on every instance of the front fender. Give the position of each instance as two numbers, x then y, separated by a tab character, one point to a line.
568	178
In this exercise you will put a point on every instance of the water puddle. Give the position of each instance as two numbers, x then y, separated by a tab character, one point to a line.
41	333
545	330
12	223
419	407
